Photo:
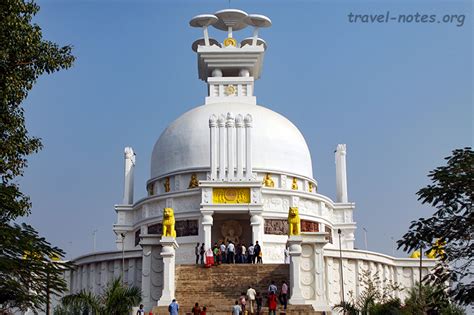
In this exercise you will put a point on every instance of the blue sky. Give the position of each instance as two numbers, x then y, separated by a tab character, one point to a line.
398	94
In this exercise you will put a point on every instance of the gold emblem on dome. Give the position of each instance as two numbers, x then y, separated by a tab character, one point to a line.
294	184
230	195
229	41
268	181
193	183
310	187
230	90
166	184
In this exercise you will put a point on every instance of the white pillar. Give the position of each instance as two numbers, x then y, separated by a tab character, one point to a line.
256	221
149	243
317	240
213	146
168	253
206	35
248	146
222	146
230	123
341	176
104	274
239	124
129	168
294	244
207	222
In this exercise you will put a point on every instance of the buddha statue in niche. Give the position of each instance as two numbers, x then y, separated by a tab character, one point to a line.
193	182
268	181
294	184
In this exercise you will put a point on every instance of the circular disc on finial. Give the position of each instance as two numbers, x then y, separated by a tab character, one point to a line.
248	41
203	20
258	20
230	18
200	42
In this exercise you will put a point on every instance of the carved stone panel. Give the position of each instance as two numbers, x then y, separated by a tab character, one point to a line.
309	226
183	228
276	227
280	227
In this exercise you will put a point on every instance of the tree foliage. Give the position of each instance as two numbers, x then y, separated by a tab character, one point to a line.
115	300
452	224
26	269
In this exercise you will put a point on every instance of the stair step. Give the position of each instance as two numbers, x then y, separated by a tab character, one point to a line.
220	286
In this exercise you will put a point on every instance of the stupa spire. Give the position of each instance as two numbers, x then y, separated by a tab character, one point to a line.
230	68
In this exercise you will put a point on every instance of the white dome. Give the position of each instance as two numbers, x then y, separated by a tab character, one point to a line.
277	145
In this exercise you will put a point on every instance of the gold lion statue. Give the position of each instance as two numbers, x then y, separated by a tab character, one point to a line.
294	222
168	222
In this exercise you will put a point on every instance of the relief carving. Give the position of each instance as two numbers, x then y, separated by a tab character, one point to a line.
183	228
276	227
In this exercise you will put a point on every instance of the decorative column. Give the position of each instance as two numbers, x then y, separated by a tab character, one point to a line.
207	222
294	244
257	223
239	124
248	146
149	243
129	170
341	176
316	241
222	147
168	253
213	145
230	123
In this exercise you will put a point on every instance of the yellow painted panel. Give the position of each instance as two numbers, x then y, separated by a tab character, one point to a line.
230	195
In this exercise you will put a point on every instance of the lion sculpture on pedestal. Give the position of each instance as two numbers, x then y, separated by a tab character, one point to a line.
168	222
294	222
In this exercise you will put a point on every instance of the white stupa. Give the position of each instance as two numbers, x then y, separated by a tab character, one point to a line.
231	169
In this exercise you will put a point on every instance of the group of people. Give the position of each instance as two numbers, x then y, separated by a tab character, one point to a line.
230	253
251	302
196	310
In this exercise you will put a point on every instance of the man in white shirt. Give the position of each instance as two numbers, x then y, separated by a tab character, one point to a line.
251	298
230	253
272	288
141	311
244	254
236	309
284	294
223	252
250	254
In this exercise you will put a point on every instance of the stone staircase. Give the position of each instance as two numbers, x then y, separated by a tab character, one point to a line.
220	286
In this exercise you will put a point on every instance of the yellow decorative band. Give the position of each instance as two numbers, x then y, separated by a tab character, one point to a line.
230	195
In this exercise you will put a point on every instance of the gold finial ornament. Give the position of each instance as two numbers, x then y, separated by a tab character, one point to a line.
168	222
268	181
294	222
294	184
310	187
193	183
229	41
230	90
167	184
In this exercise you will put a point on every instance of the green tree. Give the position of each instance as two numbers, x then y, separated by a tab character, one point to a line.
27	273
452	224
376	297
115	300
431	299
